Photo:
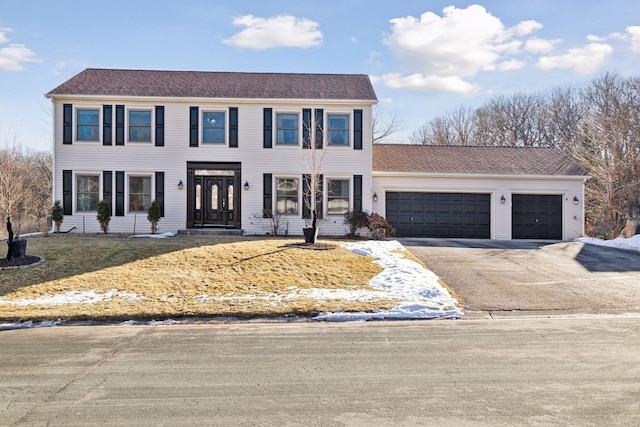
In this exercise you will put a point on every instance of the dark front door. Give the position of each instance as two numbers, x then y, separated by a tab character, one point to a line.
213	197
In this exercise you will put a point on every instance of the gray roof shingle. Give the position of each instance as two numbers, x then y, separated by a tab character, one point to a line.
209	84
471	160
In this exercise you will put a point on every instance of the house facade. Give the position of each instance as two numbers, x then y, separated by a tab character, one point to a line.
238	151
216	149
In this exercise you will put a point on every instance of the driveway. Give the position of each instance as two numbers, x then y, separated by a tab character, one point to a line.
534	276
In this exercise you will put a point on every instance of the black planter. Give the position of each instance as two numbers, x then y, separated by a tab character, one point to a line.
310	235
18	249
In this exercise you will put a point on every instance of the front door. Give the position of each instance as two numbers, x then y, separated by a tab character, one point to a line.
214	198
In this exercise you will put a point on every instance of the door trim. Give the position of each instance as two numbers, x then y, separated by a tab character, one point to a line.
228	167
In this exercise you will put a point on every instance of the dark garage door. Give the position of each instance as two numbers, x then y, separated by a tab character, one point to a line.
445	215
536	216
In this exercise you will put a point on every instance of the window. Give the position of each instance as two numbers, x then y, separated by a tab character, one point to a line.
87	192
213	128
139	193
338	196
139	126
287	195
287	129
338	129
88	125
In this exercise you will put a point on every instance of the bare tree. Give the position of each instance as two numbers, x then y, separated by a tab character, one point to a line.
313	153
384	125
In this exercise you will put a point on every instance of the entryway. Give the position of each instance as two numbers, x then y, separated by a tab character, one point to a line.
213	198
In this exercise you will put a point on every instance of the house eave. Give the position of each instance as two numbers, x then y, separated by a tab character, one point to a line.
479	176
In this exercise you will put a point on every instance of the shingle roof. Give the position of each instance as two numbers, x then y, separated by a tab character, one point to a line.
467	160
205	84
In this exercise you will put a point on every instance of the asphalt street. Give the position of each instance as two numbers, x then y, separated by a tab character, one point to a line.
475	372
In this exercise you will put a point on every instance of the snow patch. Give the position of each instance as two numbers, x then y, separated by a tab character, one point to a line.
72	297
157	236
632	243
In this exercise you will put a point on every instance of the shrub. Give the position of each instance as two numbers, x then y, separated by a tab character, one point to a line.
153	215
356	220
57	215
379	227
104	215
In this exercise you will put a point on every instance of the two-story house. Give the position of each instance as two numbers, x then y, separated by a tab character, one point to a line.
232	150
216	149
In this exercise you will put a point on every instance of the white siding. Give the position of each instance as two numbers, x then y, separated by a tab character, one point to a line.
172	158
573	215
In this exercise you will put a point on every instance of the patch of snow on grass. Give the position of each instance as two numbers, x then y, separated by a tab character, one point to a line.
632	243
417	289
157	236
73	297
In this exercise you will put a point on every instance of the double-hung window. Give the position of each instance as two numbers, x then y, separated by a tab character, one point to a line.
88	125
87	192
139	193
287	129
213	127
139	126
337	196
338	129
287	195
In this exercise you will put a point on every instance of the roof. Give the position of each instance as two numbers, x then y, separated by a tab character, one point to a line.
206	84
472	160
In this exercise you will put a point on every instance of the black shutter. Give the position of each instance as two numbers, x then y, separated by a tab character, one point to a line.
119	124
67	192
357	192
319	127
67	124
119	193
193	126
159	126
160	191
357	129
233	127
306	196
267	195
306	127
107	123
107	188
267	137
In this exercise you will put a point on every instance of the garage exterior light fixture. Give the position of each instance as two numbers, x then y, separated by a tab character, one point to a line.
503	199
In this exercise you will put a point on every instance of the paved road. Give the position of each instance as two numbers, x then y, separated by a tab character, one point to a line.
474	372
565	277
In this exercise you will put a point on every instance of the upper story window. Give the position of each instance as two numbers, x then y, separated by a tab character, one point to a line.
87	192
337	196
139	193
287	129
88	128
213	127
139	126
338	129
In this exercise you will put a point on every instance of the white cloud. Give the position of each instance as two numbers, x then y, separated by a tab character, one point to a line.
13	55
422	83
634	32
511	64
583	61
536	45
274	32
442	51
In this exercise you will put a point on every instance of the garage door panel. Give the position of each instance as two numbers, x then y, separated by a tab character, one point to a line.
536	216
461	215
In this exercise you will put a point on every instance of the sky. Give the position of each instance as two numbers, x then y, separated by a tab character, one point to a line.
425	58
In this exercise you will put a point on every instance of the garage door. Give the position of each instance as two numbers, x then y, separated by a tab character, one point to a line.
446	215
536	216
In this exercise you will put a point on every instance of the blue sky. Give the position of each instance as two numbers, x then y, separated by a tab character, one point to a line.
425	58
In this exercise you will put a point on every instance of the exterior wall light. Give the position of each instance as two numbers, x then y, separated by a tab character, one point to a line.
180	185
503	199
575	200
375	197
246	186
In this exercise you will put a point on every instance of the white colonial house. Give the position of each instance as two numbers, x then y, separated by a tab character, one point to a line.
227	150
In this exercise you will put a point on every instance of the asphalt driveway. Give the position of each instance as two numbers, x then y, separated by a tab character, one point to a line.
534	276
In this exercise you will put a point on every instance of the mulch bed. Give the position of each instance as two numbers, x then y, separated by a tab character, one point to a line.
19	262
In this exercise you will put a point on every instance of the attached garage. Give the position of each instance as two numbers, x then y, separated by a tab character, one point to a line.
444	215
497	193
